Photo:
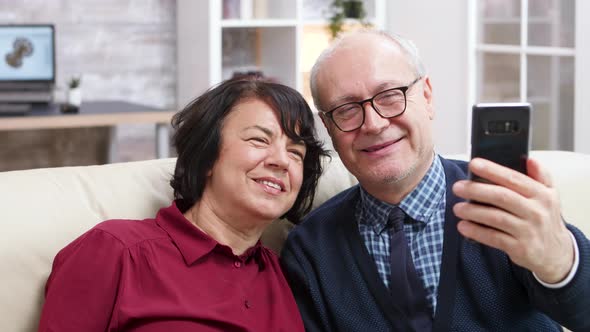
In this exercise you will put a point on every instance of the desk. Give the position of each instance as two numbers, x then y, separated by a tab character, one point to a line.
96	114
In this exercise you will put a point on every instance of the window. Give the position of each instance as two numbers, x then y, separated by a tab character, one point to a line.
524	50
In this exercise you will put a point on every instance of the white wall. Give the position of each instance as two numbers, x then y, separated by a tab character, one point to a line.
582	98
439	30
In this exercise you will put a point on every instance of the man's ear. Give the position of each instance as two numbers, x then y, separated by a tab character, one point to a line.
427	93
322	117
326	122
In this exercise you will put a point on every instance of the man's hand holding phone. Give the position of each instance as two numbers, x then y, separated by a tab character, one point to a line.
515	213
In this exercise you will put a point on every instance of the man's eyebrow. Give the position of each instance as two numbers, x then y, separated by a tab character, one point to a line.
388	85
381	87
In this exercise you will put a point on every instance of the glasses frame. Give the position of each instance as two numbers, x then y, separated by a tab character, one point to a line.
361	103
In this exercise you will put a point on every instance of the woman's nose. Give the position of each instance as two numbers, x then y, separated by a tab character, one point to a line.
279	158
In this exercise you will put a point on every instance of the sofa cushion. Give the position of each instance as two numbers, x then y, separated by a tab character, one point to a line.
45	209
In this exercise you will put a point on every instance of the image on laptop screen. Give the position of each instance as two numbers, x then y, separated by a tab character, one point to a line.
27	53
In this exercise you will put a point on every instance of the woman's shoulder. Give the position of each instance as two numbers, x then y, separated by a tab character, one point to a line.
129	232
112	239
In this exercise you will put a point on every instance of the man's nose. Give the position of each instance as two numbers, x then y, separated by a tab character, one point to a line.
374	123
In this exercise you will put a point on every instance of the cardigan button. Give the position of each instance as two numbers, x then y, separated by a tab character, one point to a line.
237	264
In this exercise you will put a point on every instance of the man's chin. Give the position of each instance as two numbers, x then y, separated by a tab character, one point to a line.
392	175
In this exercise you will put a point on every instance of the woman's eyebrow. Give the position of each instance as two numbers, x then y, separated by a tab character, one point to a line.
261	128
270	133
298	142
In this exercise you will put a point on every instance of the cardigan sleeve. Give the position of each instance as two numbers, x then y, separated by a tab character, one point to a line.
81	291
570	304
302	285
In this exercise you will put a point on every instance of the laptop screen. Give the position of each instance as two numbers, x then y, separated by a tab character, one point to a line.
27	53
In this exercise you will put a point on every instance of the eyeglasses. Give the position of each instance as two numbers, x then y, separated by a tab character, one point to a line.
388	104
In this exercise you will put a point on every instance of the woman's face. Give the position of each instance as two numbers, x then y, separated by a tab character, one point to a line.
259	170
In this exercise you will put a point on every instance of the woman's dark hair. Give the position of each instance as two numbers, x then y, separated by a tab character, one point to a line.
197	137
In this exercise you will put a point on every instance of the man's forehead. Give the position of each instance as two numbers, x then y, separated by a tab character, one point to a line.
364	54
347	64
363	40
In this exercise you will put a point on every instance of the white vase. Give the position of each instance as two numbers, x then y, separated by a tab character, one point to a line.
260	9
246	9
75	97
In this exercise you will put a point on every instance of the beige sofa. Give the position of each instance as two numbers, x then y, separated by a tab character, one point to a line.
45	209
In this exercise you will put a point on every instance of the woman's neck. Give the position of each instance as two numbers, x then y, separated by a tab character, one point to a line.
231	230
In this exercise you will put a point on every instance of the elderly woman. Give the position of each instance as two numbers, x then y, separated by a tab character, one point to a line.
247	155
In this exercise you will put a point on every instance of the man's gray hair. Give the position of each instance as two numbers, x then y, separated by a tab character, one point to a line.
407	46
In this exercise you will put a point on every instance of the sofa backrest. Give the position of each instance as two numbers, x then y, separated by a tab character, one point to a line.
45	209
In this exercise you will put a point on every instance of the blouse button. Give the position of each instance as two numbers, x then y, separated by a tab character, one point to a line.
247	304
237	264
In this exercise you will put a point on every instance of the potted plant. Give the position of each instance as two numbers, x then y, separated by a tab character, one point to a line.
346	9
353	9
74	96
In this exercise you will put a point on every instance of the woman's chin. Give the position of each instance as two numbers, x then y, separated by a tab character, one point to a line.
269	215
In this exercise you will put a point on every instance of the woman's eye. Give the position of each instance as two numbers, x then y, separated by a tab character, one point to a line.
298	154
259	139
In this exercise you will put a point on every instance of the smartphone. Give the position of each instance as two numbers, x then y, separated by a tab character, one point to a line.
500	132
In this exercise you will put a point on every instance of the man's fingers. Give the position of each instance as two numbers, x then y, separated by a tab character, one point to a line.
538	173
505	177
489	216
492	194
486	235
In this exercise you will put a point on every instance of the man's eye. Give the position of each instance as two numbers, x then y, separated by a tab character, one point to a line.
346	111
390	97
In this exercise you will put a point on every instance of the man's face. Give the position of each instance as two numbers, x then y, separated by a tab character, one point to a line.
383	151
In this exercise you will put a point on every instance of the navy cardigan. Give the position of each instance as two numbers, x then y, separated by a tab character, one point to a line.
337	286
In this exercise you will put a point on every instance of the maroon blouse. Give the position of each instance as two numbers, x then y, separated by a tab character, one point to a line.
164	274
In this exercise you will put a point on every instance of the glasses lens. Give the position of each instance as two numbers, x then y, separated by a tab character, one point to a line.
390	102
348	116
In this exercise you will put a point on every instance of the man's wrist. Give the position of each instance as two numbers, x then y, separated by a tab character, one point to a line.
572	271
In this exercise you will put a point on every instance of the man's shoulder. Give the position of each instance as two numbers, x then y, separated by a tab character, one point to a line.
454	169
323	228
453	162
325	217
330	208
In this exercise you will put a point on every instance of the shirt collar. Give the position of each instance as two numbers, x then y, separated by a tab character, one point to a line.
423	201
419	204
194	243
374	212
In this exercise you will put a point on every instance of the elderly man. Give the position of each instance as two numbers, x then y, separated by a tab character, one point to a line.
406	249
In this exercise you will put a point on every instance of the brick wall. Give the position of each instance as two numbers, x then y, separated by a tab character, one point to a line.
124	50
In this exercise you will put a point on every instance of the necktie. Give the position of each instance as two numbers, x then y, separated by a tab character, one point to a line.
406	288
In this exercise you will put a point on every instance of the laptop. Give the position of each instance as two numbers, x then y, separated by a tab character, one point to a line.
27	66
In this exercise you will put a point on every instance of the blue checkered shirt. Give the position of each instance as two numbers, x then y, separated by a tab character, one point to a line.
426	207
